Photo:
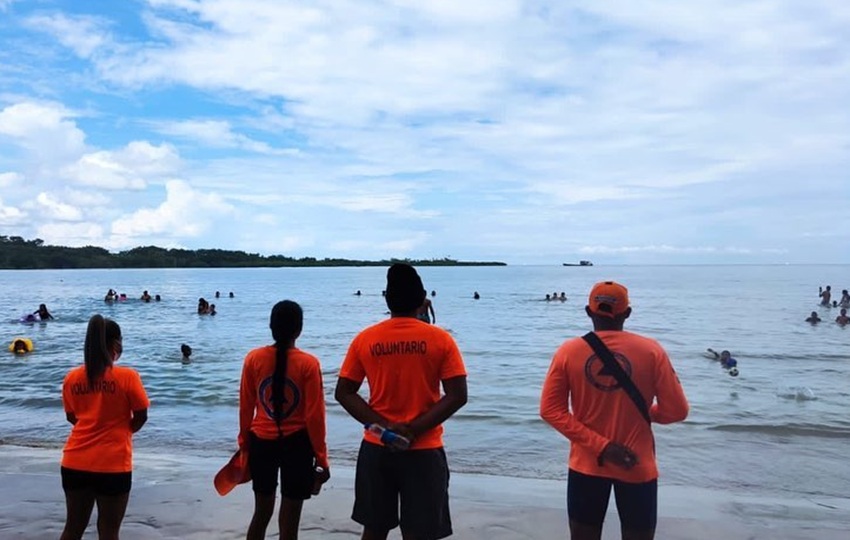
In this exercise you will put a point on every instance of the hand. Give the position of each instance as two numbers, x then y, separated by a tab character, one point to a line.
620	455
320	476
403	430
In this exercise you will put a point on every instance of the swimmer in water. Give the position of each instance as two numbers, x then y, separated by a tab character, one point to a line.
813	318
43	313
476	296
425	313
20	347
187	353
825	295
843	319
725	358
845	299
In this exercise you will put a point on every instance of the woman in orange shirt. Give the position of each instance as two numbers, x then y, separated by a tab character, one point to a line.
282	424
106	404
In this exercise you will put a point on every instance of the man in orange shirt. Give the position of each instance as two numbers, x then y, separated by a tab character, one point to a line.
596	395
405	361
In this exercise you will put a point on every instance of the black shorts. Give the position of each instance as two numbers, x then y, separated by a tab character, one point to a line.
292	455
108	484
420	478
587	501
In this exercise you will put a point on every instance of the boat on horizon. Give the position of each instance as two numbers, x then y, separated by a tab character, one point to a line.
580	263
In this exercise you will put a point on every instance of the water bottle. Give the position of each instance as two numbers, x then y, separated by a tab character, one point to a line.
389	438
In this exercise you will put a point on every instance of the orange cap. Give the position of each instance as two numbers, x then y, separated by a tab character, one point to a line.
608	299
234	473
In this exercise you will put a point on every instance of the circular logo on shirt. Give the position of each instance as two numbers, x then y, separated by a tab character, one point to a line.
291	398
600	376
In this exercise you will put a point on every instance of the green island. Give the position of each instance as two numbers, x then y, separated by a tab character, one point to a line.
16	253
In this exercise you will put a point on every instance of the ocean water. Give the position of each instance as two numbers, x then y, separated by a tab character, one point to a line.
782	427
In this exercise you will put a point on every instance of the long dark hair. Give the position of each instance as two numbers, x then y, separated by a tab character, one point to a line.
286	322
101	336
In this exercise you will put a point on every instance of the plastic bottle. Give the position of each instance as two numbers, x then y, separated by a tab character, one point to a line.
389	438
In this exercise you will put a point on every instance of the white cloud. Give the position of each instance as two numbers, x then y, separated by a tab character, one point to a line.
9	215
129	168
8	179
82	34
51	208
185	212
668	249
507	120
71	234
45	129
217	134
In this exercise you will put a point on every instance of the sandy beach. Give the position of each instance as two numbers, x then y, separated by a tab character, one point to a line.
173	497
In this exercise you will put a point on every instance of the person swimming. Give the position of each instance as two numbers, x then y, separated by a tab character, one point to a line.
111	296
19	346
187	353
813	318
845	299
825	295
145	297
212	310
231	294
203	306
43	314
476	296
843	319
725	358
563	297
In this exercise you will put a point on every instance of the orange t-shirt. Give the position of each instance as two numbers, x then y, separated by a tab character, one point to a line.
601	411
404	360
304	407
101	440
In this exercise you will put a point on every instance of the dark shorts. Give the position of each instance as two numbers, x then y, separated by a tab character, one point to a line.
587	501
292	456
419	478
108	484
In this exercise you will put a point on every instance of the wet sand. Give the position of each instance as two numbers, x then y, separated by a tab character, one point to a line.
173	498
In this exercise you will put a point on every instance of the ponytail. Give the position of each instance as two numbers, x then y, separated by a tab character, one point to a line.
101	336
286	322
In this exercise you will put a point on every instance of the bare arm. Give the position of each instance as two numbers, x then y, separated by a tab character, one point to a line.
453	399
347	396
139	419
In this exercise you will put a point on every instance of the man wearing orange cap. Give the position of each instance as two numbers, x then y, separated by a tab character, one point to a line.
602	392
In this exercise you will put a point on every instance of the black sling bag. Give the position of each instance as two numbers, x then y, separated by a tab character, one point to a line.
616	370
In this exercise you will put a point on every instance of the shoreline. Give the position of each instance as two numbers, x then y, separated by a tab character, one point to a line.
173	497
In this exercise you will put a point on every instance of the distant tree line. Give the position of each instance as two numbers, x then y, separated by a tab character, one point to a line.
18	253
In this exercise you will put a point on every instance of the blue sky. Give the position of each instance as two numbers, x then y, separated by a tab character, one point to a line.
625	131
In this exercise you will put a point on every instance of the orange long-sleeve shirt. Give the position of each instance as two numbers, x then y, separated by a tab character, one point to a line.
588	406
304	407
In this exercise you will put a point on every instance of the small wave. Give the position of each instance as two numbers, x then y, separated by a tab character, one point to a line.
794	430
799	393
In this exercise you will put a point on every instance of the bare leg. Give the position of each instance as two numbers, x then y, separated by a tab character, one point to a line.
373	534
110	514
263	510
289	518
581	531
78	508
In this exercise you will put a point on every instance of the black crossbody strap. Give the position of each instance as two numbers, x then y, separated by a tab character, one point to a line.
616	370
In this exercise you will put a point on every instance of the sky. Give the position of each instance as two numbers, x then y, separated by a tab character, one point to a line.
529	132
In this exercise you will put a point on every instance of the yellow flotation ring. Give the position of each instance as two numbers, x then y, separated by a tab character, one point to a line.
15	346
